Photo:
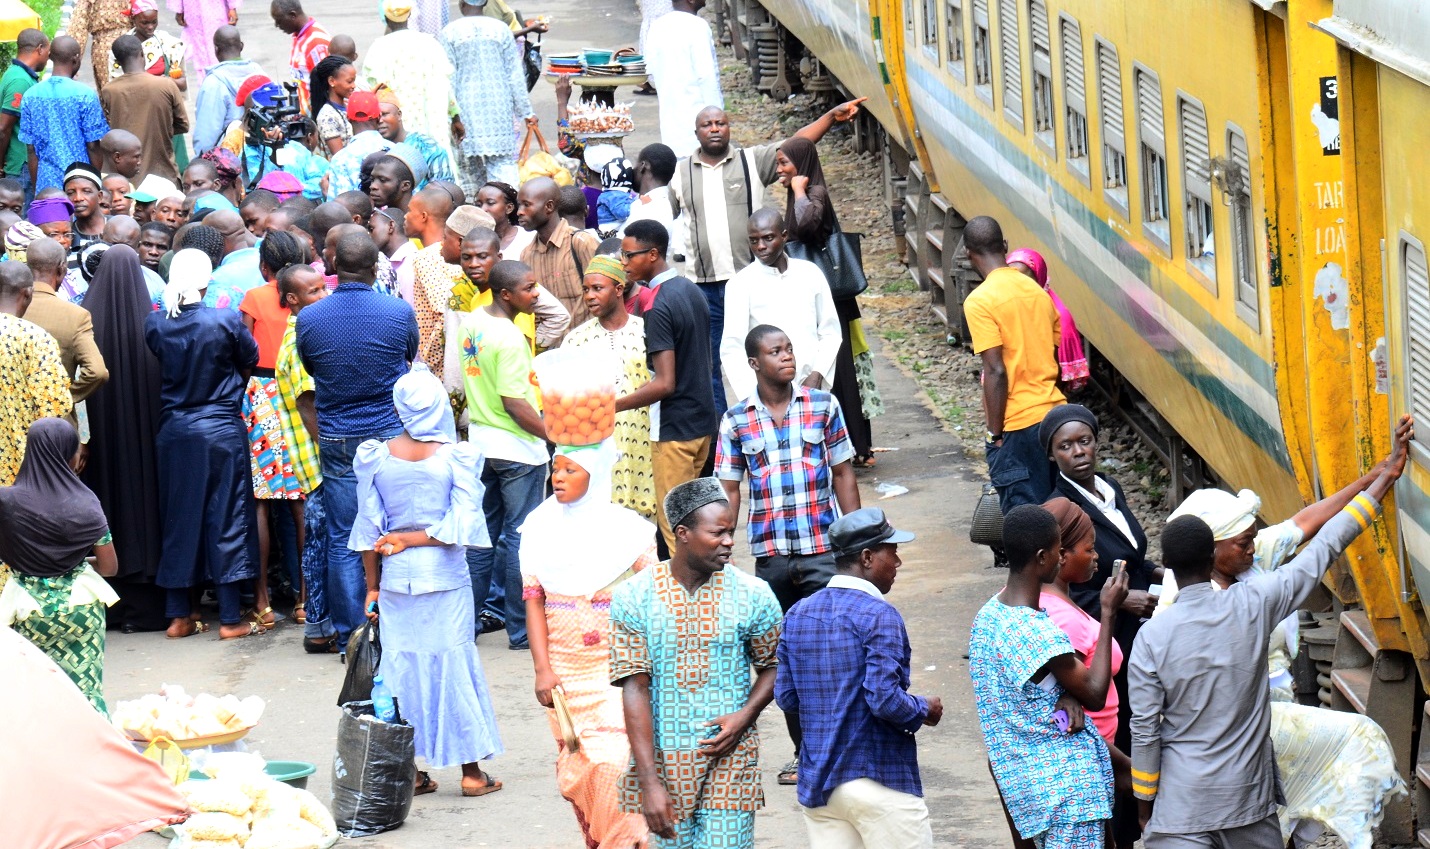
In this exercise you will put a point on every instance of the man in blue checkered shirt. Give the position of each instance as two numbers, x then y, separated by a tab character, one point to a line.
792	443
844	667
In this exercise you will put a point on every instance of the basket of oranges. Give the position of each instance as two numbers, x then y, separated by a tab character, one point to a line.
578	395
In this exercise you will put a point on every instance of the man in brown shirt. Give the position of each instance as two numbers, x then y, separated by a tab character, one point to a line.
559	254
67	322
151	107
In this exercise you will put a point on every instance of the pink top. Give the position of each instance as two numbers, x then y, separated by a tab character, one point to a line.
1082	633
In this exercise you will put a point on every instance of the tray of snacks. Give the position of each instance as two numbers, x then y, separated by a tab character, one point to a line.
591	119
192	722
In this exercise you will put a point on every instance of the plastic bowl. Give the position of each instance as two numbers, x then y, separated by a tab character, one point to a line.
598	57
294	773
629	58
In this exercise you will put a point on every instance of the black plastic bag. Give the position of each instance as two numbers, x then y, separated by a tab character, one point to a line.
373	772
364	653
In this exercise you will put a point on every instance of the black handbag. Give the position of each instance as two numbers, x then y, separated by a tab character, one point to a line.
842	261
987	525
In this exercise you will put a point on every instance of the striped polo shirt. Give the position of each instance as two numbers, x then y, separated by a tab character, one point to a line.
717	201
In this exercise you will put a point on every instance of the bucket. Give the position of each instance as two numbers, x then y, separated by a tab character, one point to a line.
578	395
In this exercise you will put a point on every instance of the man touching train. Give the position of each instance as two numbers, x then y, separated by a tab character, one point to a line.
1015	331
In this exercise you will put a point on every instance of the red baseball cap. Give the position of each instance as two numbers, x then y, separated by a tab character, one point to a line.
249	85
363	106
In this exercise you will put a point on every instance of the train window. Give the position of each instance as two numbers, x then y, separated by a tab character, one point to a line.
1197	188
953	36
1043	107
1152	151
1074	97
982	52
1243	240
909	15
1415	280
1009	44
1114	143
930	33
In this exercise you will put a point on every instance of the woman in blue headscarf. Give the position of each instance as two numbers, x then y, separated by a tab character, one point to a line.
419	509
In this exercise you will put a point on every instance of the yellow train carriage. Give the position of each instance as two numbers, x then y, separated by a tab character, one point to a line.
1090	135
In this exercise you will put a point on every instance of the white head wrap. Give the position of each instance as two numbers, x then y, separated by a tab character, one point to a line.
1226	514
188	278
579	548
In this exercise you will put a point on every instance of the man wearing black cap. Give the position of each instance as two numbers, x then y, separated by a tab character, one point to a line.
686	636
83	186
844	668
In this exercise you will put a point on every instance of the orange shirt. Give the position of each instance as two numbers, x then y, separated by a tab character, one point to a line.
1011	311
270	319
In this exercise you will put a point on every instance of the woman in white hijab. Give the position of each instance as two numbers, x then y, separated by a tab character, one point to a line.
1336	768
419	508
576	547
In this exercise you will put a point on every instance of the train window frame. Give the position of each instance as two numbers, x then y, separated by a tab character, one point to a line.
954	53
1114	139
982	53
1413	332
1076	127
1155	189
1198	206
928	34
909	15
1010	56
1045	106
1245	266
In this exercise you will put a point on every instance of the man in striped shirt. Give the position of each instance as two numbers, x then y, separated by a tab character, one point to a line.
717	188
310	43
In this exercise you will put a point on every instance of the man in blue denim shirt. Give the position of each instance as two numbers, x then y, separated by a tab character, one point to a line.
355	343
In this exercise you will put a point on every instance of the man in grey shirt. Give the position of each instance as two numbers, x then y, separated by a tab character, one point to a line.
1203	769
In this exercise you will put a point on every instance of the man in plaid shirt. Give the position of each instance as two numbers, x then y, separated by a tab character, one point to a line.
792	442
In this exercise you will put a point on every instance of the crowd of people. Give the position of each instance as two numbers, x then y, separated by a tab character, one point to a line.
288	349
1121	698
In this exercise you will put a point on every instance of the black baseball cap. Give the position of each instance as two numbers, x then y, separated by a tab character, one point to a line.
864	528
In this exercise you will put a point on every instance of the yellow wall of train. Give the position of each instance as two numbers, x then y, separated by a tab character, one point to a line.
1405	124
1180	343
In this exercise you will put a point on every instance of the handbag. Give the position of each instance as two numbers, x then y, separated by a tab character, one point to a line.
987	525
540	162
842	261
364	655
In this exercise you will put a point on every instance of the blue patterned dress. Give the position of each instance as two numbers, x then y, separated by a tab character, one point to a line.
1050	780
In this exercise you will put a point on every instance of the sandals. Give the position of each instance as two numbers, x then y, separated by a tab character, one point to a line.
789	774
491	785
865	461
300	615
425	784
199	627
254	629
264	618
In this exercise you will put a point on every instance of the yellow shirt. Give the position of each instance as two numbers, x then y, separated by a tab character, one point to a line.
1011	311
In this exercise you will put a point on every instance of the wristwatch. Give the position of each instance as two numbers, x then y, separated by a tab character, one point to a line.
993	437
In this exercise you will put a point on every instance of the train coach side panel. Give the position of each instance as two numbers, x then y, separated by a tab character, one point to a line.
1204	359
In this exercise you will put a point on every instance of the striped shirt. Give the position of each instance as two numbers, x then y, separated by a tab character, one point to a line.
717	201
293	380
559	265
310	46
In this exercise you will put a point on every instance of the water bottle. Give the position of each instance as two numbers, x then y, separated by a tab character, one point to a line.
382	703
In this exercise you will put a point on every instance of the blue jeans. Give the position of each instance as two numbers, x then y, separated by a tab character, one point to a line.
512	491
715	298
1019	469
347	585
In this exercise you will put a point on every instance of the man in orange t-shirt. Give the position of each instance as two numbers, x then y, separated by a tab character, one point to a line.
1015	330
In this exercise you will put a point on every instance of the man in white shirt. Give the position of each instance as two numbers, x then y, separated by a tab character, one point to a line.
680	55
655	168
791	294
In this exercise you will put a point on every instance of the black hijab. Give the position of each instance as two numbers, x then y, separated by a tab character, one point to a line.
49	520
123	468
804	156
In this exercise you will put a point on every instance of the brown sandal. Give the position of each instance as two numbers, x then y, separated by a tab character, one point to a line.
425	784
491	786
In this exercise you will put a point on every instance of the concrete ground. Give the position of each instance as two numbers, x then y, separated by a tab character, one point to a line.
943	581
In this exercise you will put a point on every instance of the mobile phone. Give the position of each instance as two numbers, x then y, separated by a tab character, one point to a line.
1118	567
372	607
1061	720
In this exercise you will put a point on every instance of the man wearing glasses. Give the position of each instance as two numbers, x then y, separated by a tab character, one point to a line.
679	394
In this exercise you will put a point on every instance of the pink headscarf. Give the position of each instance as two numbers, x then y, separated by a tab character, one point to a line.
139	7
1072	360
